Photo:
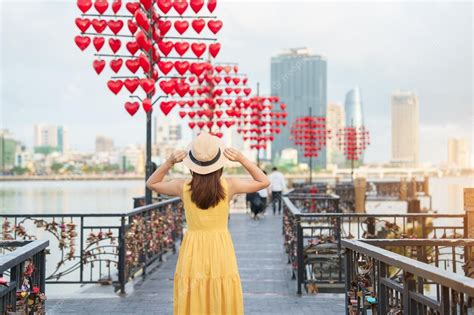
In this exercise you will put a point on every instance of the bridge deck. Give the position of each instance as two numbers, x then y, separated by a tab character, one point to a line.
265	275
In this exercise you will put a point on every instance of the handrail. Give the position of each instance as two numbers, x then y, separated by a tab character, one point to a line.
20	254
449	279
420	242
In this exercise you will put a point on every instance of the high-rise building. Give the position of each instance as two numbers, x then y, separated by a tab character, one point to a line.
50	138
298	78
405	129
103	144
458	153
354	112
168	136
8	148
335	118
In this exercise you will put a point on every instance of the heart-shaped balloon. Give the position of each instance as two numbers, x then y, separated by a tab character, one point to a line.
82	41
164	5
196	5
236	80
116	5
209	124
201	124
181	66
99	25
219	123
98	43
165	66
147	85
191	124
197	68
164	26
132	7
217	79
144	63
214	25
132	65
132	47
182	89
180	6
198	49
166	107
247	91
214	49
181	26
218	69
132	107
167	86
83	24
98	65
84	5
211	5
131	84
182	114
142	40
132	27
101	6
192	114
147	105
142	20
146	4
114	44
115	26
198	25
115	86
181	47
116	64
165	47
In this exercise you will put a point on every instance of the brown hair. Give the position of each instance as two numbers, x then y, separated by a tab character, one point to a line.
207	190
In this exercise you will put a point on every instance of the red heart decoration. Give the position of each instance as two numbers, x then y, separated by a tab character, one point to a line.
214	49
101	6
132	65
181	67
132	7
166	107
164	5
182	114
198	25
197	68
98	43
236	69
219	123
167	86
196	5
236	80
208	113
147	85
191	124
115	26
84	5
132	47
164	27
83	24
99	25
181	47
98	65
214	25
244	81
165	66
192	114
201	124
131	84
192	79
211	5
247	91
227	69
132	108
115	86
181	26
155	54
180	6
116	64
144	63
182	89
114	44
283	106
209	124
142	20
227	79
218	69
146	3
116	5
198	49
217	79
132	27
147	106
165	47
154	74
143	41
82	41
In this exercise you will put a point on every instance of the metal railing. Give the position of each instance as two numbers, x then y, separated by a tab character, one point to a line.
22	274
313	240
385	282
110	248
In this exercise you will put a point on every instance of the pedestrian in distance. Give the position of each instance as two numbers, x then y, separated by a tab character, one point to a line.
278	185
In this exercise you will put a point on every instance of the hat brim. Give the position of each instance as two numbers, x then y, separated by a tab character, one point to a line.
203	170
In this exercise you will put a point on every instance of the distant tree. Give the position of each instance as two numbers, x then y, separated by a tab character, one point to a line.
130	168
17	170
56	167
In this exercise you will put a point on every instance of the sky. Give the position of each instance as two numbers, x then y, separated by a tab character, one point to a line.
381	47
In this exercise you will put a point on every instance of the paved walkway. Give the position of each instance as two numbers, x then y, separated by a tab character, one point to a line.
265	275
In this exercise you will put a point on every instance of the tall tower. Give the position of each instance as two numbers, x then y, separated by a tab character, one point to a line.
298	78
335	118
354	116
405	129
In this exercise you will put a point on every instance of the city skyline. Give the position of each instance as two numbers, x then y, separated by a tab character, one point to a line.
383	60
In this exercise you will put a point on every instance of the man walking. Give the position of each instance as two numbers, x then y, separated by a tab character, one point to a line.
277	185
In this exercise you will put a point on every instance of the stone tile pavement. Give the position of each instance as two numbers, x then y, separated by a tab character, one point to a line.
265	275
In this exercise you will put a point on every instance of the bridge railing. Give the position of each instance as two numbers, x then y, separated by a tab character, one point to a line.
386	282
109	248
22	276
313	240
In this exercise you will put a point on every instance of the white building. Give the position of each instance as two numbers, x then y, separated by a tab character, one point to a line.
459	155
103	144
48	138
405	129
335	117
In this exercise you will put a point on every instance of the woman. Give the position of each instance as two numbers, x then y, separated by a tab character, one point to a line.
207	280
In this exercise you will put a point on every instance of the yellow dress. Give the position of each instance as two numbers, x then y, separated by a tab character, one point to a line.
207	280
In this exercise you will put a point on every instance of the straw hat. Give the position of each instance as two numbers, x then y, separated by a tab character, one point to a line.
205	154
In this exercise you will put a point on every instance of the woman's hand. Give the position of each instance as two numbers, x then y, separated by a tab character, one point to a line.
177	156
234	155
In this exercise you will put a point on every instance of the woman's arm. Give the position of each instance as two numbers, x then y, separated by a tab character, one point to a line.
173	187
240	186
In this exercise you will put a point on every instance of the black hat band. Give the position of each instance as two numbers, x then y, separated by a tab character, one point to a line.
205	163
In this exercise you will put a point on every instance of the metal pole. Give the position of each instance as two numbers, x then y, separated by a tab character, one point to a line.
258	149
311	156
149	165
